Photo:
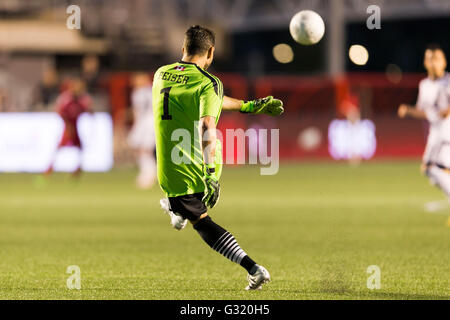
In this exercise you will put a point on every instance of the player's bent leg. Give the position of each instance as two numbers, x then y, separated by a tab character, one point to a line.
192	208
224	243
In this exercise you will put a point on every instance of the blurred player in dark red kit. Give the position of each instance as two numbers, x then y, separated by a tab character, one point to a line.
70	105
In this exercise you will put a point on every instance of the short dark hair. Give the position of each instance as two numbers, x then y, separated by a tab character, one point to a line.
434	47
198	40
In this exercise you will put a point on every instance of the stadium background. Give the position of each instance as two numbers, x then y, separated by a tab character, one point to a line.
343	217
141	35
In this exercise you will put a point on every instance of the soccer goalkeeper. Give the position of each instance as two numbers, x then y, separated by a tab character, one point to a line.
188	99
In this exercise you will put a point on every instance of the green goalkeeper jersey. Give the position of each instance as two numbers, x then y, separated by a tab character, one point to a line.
182	94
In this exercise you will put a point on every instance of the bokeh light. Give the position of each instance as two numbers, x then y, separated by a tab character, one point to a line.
393	73
309	139
358	54
283	53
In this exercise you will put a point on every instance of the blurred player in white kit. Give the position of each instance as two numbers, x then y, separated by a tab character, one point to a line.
433	105
142	136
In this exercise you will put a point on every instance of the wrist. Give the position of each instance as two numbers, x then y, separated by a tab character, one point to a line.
247	106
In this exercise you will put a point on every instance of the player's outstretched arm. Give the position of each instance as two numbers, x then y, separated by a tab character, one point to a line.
409	111
267	105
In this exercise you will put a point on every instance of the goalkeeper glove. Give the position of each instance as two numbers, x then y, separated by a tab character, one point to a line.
212	186
267	105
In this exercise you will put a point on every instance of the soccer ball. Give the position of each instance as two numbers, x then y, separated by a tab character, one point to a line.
307	27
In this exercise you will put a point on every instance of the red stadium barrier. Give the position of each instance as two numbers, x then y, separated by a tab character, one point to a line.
313	102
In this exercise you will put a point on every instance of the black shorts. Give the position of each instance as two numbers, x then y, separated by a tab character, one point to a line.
189	206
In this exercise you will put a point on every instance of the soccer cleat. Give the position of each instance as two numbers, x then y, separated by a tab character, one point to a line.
176	220
256	281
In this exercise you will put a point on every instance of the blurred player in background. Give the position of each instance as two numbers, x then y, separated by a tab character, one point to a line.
142	134
433	106
186	98
70	105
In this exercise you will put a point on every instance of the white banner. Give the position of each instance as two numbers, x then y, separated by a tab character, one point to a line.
29	141
347	140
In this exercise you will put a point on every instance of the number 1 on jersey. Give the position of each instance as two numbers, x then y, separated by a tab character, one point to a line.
166	115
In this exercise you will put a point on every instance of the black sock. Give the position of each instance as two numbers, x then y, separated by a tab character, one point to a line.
223	242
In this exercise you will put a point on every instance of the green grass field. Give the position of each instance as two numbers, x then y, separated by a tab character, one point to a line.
316	227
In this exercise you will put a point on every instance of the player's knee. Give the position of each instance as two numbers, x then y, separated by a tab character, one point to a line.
203	217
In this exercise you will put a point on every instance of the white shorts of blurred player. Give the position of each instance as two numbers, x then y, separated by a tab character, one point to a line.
142	139
437	154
